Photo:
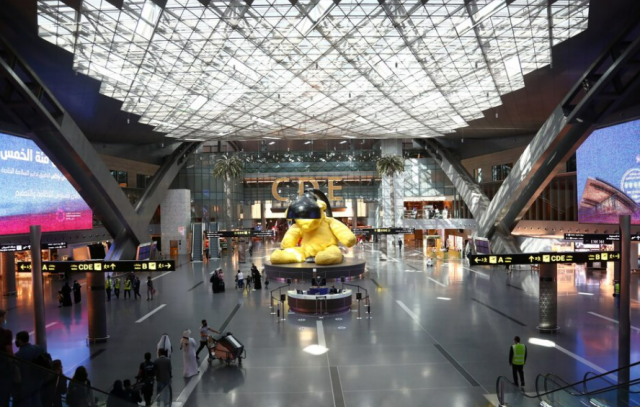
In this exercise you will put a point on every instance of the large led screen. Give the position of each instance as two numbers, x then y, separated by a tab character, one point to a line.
609	174
34	192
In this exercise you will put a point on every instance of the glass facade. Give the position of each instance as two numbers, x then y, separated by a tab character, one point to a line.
274	178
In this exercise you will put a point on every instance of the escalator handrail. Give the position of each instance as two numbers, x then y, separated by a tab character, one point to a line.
613	386
611	382
538	394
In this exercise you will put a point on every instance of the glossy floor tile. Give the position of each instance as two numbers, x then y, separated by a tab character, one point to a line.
437	336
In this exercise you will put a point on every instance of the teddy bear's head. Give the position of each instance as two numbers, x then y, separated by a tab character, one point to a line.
309	225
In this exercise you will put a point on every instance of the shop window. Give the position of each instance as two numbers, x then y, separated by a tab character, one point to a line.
571	163
142	180
121	177
500	172
477	175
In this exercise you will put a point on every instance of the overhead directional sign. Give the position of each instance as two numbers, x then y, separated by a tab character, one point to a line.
542	258
21	247
240	233
385	231
100	266
598	238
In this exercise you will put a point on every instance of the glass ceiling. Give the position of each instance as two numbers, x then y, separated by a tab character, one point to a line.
312	69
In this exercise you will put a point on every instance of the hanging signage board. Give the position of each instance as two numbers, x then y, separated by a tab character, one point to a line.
21	247
542	258
385	231
100	266
240	233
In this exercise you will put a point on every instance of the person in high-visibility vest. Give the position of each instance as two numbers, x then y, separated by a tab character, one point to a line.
116	288
127	289
107	287
517	359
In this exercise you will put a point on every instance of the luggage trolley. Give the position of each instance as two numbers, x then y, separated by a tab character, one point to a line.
227	348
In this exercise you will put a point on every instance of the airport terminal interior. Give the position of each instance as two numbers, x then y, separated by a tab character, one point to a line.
325	203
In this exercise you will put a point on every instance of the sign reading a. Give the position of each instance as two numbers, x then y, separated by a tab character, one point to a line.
542	258
100	266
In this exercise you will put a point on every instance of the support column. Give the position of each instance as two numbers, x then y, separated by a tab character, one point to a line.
624	325
354	208
616	271
392	195
37	286
548	299
96	307
8	271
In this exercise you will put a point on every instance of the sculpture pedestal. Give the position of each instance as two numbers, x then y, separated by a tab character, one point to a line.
349	269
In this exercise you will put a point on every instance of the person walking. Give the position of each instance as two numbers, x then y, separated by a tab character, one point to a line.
116	288
517	359
257	283
146	376
66	294
107	287
240	280
6	348
204	339
206	250
165	344
163	379
400	243
79	392
28	390
150	289
77	295
127	288
136	289
117	396
215	282
189	361
133	396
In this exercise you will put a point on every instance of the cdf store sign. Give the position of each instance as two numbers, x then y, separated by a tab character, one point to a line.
330	181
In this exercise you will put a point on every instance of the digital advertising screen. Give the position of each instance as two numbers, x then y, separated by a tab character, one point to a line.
34	192
608	166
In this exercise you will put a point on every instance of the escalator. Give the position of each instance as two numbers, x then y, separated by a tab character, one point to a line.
196	242
595	390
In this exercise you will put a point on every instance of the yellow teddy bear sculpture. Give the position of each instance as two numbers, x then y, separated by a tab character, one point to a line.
320	239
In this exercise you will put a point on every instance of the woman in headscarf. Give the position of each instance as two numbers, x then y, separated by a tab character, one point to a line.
188	346
165	343
215	282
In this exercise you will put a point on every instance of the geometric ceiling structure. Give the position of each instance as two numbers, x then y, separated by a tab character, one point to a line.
309	69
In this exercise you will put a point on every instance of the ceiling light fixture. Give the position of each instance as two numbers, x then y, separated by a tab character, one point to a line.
272	143
343	141
307	142
262	121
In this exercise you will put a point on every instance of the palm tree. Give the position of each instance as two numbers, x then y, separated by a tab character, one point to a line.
228	168
389	166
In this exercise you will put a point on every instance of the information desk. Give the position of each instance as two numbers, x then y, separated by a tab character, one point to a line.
350	268
321	303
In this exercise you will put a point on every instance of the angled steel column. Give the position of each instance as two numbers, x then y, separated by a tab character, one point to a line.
125	244
607	83
470	192
468	189
55	132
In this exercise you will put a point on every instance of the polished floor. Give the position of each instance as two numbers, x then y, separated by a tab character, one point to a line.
437	336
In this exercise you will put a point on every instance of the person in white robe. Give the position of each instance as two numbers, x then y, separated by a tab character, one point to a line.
165	343
188	346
